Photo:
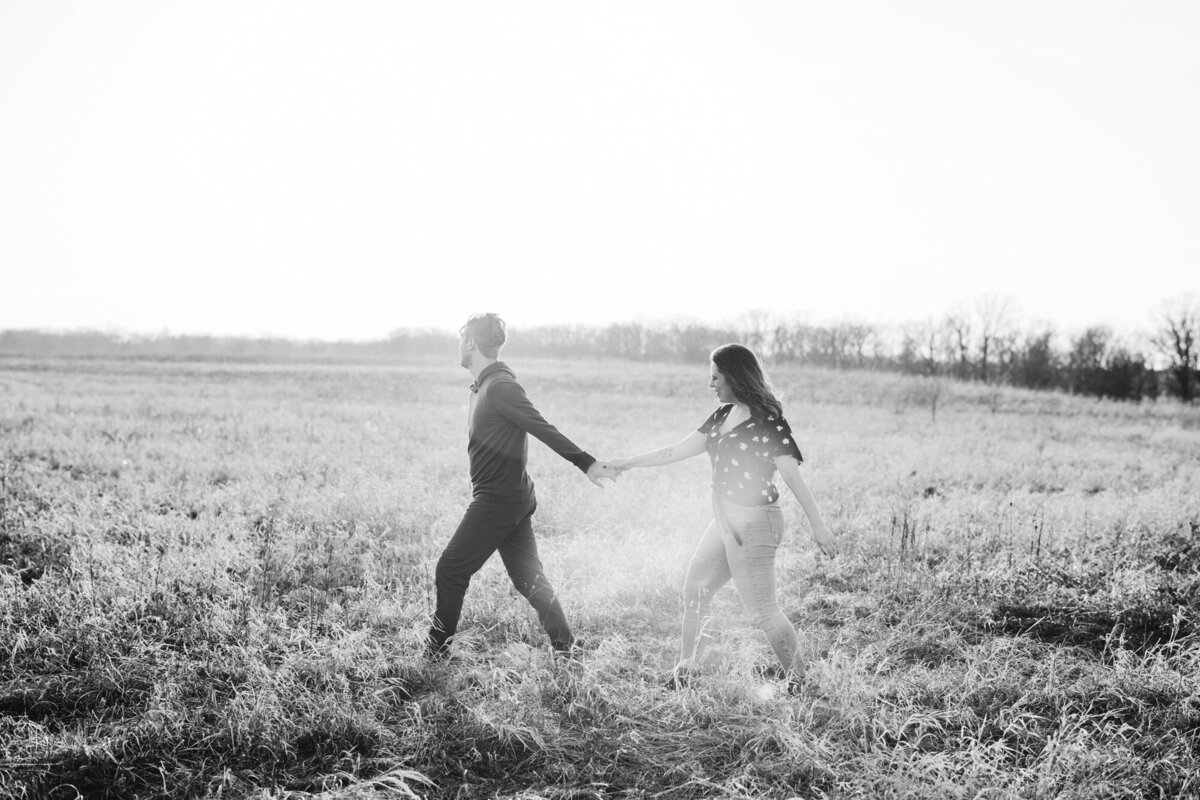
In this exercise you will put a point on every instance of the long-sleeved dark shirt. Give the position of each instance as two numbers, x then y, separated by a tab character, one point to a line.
498	418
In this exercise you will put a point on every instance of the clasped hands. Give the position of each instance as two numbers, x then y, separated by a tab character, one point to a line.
606	472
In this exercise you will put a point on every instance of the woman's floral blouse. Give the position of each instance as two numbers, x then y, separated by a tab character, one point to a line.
743	459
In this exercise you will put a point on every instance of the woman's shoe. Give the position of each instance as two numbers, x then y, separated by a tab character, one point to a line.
804	686
770	672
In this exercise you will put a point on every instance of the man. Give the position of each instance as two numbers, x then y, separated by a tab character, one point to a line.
500	514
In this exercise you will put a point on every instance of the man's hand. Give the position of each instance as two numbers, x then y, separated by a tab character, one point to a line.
600	472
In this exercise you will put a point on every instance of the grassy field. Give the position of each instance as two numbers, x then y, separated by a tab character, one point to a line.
217	578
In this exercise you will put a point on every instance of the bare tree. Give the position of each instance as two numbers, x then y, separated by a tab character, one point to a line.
1086	361
785	343
1178	339
856	336
1037	365
1100	364
756	329
693	343
957	342
623	340
828	346
997	335
921	344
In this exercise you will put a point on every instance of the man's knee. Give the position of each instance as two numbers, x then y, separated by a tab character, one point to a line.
450	573
532	587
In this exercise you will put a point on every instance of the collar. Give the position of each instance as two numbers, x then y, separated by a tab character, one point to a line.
495	366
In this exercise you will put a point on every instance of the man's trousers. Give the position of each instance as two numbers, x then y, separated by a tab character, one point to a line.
489	526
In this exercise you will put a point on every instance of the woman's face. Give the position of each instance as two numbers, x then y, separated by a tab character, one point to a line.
719	385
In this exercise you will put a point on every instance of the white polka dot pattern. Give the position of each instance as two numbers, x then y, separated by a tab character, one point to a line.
768	439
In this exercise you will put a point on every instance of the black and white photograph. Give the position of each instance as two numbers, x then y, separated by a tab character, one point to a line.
579	401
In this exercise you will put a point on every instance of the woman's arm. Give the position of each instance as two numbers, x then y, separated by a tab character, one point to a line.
789	469
693	445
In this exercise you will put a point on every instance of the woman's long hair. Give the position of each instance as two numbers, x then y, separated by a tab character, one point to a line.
745	375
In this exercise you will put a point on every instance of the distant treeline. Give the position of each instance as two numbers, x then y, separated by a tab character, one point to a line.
99	344
1094	362
981	343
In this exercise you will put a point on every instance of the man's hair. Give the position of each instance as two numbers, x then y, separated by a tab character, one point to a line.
488	332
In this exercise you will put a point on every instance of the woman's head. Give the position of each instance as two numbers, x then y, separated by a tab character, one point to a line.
739	376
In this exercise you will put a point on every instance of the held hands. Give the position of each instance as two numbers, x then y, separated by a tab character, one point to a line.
601	472
608	471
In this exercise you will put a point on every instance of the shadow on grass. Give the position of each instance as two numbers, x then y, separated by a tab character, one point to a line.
1135	629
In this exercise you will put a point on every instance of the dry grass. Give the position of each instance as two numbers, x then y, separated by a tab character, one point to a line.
216	579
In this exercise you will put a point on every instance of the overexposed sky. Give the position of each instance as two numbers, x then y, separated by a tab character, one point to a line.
339	170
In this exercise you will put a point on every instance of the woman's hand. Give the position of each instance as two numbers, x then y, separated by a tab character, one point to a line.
825	540
621	464
602	471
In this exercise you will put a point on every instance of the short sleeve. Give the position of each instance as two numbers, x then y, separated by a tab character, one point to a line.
713	421
778	440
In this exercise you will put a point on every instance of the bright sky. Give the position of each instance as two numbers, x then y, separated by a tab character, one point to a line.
339	170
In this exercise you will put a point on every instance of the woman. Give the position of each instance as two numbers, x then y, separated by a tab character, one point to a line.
747	440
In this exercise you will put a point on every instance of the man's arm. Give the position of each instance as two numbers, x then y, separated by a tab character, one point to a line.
509	399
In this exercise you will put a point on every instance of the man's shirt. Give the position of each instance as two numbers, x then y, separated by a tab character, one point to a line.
498	418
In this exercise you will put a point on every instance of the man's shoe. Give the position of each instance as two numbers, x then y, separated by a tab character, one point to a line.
437	654
570	655
679	679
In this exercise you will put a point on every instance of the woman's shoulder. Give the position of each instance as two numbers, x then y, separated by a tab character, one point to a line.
717	416
775	422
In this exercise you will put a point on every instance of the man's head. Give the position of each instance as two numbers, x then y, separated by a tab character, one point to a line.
484	334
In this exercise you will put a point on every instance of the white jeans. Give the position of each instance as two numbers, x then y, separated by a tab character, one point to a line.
751	564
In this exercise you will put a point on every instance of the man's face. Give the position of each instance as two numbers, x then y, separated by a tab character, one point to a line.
465	343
